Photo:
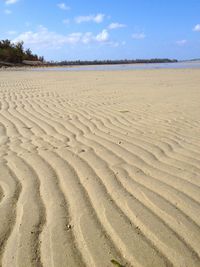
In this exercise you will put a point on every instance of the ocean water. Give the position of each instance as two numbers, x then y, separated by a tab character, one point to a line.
178	65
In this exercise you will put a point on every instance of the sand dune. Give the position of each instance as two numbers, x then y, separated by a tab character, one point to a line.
100	168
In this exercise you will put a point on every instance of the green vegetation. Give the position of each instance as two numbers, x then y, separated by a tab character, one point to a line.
114	262
15	53
12	54
112	62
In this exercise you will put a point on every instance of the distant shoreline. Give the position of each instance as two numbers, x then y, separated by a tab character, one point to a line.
107	67
37	64
86	64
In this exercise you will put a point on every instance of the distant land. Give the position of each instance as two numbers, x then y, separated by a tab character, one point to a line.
85	63
112	62
14	55
191	60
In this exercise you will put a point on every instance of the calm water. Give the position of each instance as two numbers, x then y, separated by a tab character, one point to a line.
179	65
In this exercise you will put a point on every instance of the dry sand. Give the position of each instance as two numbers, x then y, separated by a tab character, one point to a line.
98	167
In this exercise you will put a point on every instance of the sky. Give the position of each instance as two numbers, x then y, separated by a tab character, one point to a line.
104	29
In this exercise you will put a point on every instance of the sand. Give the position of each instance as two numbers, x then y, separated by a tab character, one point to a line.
100	168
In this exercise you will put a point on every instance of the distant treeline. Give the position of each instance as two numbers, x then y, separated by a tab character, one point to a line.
15	53
111	62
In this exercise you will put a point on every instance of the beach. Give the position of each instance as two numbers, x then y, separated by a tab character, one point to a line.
100	168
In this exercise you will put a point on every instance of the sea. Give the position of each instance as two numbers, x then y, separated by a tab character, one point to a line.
117	67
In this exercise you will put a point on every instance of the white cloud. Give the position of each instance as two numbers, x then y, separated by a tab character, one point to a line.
196	28
103	36
87	38
47	39
91	18
7	11
116	25
63	6
181	42
11	2
72	38
117	44
138	36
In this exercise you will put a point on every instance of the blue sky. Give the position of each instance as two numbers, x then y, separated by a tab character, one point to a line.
104	29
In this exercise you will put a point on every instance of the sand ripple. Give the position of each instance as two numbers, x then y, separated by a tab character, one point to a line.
100	168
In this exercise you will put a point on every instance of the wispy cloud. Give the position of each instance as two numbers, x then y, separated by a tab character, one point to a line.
196	28
90	18
11	2
66	21
63	6
181	42
11	32
7	11
103	36
47	39
138	36
117	44
116	25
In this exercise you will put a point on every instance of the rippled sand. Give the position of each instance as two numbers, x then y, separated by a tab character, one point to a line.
100	168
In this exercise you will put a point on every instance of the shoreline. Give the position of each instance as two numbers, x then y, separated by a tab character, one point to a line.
108	67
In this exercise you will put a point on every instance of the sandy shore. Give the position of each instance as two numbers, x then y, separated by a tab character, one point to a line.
100	168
